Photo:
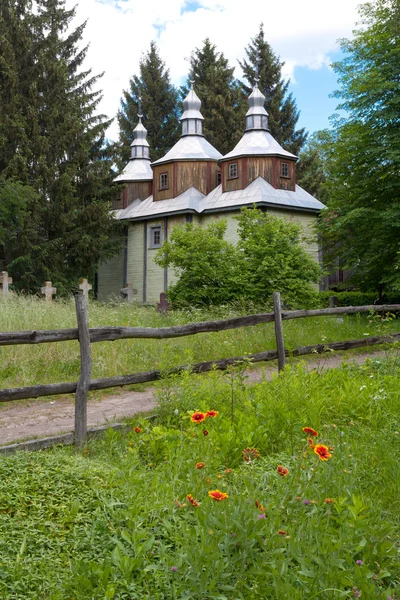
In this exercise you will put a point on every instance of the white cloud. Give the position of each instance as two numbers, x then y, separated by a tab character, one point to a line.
119	31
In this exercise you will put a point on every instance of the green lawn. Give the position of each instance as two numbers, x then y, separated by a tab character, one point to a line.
115	521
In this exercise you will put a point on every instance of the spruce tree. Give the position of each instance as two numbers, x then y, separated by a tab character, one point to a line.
159	104
222	101
59	144
264	66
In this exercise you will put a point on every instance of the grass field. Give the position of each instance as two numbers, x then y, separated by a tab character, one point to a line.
115	521
51	363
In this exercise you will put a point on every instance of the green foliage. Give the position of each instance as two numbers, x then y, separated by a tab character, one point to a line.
160	110
115	521
311	169
223	104
263	64
268	258
362	223
52	143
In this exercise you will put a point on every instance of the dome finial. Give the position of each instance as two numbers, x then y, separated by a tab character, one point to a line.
140	112
191	83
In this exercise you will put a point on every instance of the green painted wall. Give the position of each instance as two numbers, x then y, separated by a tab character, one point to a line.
111	278
134	271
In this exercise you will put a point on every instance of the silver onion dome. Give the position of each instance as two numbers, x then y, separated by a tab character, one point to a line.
256	116
192	119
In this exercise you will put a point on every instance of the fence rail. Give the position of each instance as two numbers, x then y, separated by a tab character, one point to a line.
87	336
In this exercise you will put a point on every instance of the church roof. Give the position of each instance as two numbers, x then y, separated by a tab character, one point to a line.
258	142
136	170
188	201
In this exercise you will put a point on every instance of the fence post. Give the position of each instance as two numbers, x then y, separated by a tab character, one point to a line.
85	373
280	346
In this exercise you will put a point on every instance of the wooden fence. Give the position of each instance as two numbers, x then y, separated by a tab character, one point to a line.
88	336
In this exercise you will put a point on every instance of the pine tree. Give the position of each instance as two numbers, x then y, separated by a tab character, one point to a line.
311	169
160	108
264	65
59	143
222	101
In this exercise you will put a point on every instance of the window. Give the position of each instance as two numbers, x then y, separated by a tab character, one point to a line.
163	181
284	170
233	171
155	237
189	218
219	178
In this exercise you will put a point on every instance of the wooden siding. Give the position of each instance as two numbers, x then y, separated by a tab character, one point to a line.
201	175
111	277
132	191
229	185
251	167
261	167
169	192
135	258
286	183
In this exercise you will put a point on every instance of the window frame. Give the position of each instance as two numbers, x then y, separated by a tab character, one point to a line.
285	165
155	229
230	166
219	177
163	183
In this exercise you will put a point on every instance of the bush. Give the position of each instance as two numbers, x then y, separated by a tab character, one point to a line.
356	298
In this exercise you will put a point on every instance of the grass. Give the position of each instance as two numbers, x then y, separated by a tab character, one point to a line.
114	522
52	363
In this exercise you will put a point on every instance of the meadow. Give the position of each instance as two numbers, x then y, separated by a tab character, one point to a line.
240	504
52	363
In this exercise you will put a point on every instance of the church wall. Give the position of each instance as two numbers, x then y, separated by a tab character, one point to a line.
201	175
111	278
168	192
135	263
141	190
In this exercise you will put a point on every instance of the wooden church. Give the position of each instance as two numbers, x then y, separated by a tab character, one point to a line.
193	182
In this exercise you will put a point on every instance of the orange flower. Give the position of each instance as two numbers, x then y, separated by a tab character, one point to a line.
322	452
200	465
217	495
197	417
310	431
311	443
281	532
250	453
212	413
227	471
205	432
192	501
282	470
208	480
137	430
179	505
260	506
329	500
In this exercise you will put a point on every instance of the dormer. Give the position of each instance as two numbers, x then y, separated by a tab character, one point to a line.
192	162
137	174
258	153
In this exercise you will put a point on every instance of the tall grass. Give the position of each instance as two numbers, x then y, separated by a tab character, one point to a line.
115	522
50	363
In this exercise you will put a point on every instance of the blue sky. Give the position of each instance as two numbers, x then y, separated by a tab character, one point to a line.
120	31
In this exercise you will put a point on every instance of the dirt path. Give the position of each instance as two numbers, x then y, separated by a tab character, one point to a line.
41	418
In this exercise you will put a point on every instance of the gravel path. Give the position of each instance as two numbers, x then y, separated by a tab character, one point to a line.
41	418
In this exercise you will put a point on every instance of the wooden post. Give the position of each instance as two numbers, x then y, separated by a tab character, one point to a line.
86	371
280	345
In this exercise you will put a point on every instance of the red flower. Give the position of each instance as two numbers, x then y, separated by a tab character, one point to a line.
322	452
281	532
260	506
311	443
200	465
228	471
310	431
192	501
250	453
137	430
282	470
217	495
329	500
212	413
205	432
198	417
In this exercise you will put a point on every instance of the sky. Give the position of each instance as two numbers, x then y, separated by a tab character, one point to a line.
304	34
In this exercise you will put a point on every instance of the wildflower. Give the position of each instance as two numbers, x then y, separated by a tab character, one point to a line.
298	498
329	500
200	465
176	411
179	504
322	452
217	495
310	431
282	470
311	443
260	506
359	562
250	453
205	432
227	471
212	413
137	430
192	501
281	532
174	569
306	502
197	417
219	476
208	480
356	592
261	516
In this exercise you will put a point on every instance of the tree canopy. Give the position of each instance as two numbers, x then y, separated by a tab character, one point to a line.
54	164
362	223
264	66
159	104
269	257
